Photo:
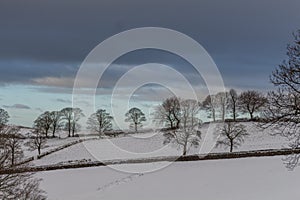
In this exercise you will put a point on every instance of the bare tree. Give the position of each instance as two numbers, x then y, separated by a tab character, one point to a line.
136	118
232	135
284	104
30	190
44	123
233	103
283	110
67	115
209	104
37	141
71	116
12	141
168	114
188	134
222	102
4	116
251	102
100	122
16	186
55	117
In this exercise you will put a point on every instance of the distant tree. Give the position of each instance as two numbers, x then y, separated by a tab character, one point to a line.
37	141
56	121
222	102
67	115
188	134
44	123
4	116
75	126
233	103
12	141
209	104
71	117
251	102
168	114
136	118
232	135
100	122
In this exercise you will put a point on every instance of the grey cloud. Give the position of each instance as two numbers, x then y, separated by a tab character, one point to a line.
17	106
63	100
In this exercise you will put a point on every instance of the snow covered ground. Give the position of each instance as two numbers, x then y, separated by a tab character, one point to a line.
151	145
240	179
51	143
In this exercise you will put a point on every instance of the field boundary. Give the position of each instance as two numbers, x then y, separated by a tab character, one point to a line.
197	157
29	159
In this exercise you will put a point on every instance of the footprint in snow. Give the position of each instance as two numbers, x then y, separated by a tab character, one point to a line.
119	181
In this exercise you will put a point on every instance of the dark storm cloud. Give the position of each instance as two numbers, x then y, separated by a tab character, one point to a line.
50	38
25	71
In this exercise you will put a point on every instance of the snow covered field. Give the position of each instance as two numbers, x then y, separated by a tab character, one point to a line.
240	179
51	144
151	145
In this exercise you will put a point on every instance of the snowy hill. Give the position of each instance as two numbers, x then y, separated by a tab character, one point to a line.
151	145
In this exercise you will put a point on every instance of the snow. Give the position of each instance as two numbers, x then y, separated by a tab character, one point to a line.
151	145
51	144
247	179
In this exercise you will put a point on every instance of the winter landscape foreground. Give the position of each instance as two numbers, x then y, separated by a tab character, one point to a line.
244	178
247	179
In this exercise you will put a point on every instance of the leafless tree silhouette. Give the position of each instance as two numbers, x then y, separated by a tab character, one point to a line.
188	133
251	102
232	135
283	111
136	118
168	113
100	122
21	186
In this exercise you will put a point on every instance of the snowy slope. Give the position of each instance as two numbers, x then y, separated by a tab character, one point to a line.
150	145
51	143
241	179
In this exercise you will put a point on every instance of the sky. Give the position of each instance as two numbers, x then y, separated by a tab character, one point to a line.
43	43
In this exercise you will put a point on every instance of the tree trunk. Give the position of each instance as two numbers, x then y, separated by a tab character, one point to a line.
69	129
223	113
214	115
184	151
53	132
39	150
231	146
171	123
135	127
184	148
100	133
177	124
234	113
12	157
251	115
